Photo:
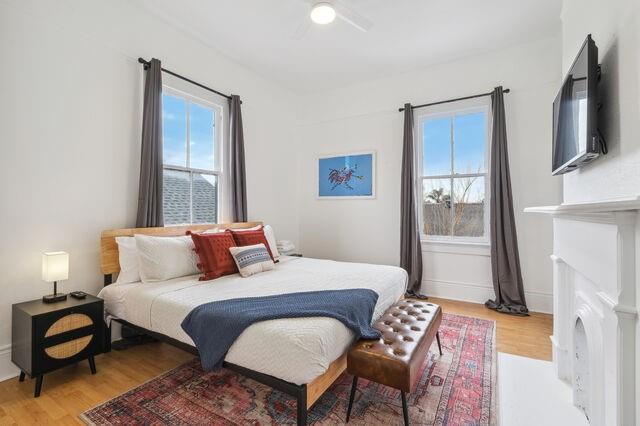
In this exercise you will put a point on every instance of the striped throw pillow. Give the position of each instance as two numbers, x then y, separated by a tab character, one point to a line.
252	259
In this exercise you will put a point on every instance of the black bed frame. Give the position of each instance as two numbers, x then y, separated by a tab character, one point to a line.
299	392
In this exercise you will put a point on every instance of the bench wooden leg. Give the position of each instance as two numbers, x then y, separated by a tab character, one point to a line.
405	411
438	339
22	374
354	385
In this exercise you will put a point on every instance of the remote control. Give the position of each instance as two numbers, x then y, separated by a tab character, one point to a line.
78	294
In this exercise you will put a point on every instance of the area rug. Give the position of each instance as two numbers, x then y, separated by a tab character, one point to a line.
457	388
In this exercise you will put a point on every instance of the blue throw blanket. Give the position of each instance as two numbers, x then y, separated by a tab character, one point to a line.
215	326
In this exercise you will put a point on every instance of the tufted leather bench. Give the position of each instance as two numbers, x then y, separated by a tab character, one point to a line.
408	328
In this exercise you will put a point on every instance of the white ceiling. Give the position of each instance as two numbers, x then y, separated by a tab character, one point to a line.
406	34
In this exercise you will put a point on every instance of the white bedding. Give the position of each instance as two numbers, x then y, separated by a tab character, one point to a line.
296	350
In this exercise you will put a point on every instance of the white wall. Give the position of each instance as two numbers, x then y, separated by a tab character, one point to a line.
365	117
70	132
615	27
70	135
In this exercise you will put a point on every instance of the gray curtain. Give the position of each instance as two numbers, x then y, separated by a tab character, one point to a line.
150	190
505	261
410	249
238	179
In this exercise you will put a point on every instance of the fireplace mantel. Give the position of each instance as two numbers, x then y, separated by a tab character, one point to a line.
602	206
595	263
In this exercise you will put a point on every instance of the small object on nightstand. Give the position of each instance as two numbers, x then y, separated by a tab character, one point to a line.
78	295
55	267
47	336
285	246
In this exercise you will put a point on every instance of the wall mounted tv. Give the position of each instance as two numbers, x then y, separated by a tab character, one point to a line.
576	139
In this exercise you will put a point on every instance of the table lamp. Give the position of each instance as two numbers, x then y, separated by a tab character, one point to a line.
55	267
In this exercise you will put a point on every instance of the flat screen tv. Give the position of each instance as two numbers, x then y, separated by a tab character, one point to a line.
576	140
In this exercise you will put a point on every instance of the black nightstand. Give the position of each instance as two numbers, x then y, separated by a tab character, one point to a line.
47	336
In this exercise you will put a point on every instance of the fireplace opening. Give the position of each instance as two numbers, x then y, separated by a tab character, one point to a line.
581	376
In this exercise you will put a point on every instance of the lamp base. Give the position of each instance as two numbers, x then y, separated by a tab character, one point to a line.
51	298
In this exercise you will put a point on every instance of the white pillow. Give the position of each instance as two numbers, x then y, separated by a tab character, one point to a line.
271	239
251	259
128	259
164	258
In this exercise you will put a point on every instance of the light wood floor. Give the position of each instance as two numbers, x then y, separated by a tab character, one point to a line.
524	336
70	391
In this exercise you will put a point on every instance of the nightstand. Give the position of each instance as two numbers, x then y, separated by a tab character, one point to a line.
47	336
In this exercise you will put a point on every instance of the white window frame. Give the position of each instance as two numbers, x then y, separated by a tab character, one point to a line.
451	110
218	166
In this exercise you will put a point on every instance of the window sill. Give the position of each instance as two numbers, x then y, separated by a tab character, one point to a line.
474	248
454	242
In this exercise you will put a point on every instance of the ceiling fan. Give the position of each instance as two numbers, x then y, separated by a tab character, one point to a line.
326	11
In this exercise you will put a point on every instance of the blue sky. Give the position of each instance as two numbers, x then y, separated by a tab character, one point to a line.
469	144
174	129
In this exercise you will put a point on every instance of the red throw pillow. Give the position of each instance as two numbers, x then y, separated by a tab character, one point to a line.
249	238
215	260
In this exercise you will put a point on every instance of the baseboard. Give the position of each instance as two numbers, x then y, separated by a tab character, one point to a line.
479	293
539	302
7	369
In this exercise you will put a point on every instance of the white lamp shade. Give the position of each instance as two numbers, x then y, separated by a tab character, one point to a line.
55	266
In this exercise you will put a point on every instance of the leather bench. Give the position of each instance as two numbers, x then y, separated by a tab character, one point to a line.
408	328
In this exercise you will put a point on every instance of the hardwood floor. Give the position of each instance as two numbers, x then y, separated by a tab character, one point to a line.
70	391
524	336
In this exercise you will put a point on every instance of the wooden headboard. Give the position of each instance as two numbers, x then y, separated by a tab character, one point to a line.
109	263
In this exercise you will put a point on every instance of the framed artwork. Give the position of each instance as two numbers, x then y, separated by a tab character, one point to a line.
347	176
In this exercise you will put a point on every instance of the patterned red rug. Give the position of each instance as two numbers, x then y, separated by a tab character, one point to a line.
457	388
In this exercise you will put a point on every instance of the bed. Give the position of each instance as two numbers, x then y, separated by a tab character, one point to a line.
301	356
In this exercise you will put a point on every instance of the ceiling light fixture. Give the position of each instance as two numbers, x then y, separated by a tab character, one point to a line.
323	13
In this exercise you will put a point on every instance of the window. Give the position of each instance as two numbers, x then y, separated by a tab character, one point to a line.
452	163
191	157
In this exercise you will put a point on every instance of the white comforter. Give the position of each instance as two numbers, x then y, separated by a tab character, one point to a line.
296	350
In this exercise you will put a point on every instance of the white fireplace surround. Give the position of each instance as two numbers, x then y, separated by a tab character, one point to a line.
595	256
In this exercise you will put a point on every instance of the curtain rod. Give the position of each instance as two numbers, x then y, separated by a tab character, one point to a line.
454	100
146	66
